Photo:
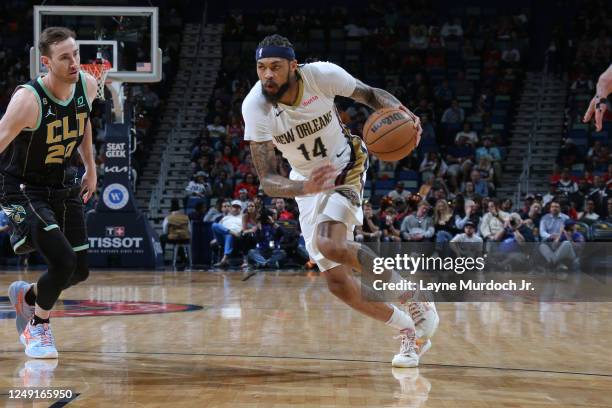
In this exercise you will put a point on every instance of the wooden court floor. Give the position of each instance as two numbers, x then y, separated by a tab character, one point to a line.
281	340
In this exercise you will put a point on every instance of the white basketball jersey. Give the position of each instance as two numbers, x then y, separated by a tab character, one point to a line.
308	132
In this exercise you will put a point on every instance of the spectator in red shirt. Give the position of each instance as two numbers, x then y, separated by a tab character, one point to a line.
571	210
283	213
587	177
247	184
559	175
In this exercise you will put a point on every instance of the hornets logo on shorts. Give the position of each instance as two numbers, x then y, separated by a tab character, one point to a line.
15	212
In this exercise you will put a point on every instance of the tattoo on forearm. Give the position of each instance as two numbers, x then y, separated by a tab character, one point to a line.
375	98
279	186
274	185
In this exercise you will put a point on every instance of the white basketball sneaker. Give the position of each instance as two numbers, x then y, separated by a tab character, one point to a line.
408	355
23	311
425	317
38	341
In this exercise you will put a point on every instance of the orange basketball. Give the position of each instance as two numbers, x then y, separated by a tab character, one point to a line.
389	134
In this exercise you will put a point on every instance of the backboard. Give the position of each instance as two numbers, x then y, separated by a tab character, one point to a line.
127	37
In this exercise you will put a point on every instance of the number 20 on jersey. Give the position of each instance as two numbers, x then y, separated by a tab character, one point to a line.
59	131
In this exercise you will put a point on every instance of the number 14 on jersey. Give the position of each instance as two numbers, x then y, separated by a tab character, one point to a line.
318	149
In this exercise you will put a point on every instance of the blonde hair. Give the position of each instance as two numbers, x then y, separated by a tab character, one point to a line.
445	214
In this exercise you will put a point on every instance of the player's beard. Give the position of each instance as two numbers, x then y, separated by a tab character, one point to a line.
275	98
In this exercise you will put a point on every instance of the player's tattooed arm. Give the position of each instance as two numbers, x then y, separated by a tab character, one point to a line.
375	98
275	185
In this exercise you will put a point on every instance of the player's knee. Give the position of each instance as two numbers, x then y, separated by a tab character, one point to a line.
63	266
337	285
81	273
67	262
337	289
332	250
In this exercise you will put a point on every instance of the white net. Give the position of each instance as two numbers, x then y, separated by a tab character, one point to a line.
99	71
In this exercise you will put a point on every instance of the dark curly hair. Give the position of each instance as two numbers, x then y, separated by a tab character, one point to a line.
275	40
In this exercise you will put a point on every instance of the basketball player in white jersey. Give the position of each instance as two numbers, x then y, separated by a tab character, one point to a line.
292	108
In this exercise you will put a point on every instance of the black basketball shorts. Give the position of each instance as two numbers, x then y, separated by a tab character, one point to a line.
29	207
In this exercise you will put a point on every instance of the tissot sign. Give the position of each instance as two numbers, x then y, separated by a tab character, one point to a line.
122	239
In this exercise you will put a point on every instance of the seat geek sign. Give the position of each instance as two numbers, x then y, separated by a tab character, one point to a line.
116	150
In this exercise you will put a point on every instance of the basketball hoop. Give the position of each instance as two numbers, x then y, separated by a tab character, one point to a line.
99	70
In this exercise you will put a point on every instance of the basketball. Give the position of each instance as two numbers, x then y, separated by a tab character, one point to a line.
389	134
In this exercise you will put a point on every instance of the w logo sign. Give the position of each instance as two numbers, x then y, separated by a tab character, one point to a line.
115	196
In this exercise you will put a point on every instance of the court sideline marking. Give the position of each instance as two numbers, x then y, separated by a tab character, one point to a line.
328	359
